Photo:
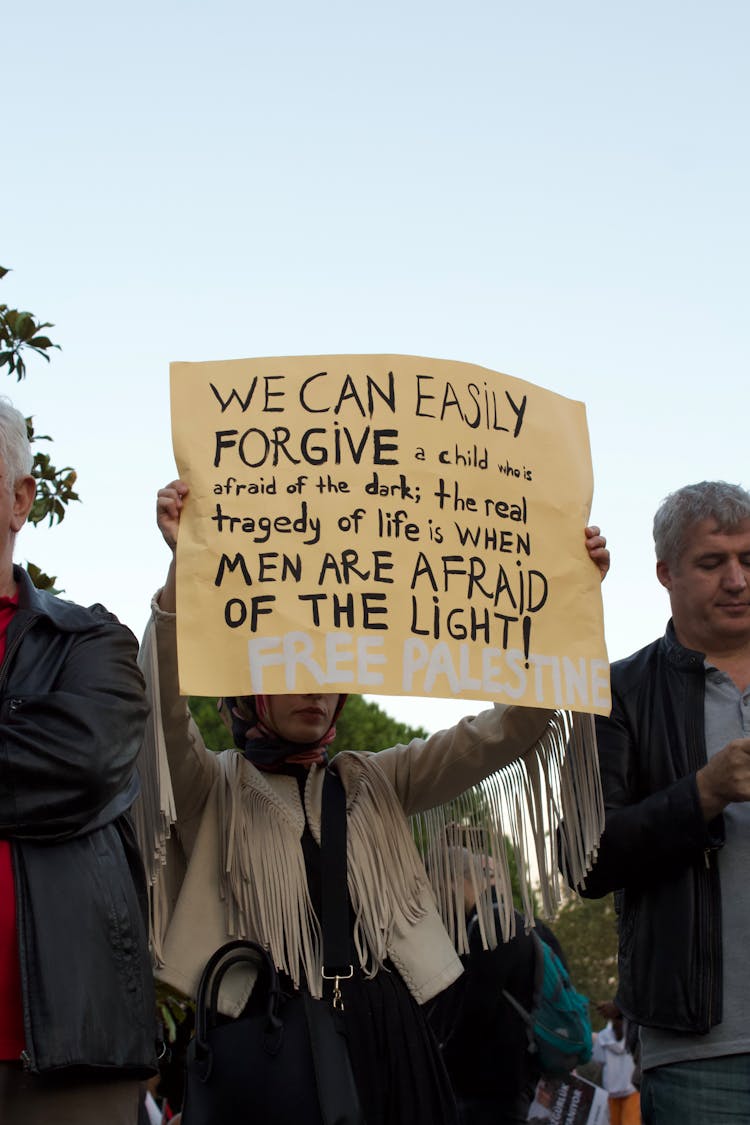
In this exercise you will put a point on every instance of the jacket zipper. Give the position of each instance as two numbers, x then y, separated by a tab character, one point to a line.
27	1056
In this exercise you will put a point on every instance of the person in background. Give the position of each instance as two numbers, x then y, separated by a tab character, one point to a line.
618	1066
675	768
77	1009
484	1041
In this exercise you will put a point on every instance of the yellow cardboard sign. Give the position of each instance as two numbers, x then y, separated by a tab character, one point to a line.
385	524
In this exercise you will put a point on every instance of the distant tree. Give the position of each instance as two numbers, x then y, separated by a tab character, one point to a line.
587	931
205	711
362	725
21	333
515	881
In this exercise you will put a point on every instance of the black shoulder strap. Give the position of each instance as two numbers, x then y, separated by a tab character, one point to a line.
334	891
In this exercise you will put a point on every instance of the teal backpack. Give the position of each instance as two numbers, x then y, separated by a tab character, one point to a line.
558	1024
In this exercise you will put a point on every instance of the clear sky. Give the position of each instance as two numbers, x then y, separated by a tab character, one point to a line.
557	191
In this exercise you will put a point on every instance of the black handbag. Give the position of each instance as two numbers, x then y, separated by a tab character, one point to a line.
285	1060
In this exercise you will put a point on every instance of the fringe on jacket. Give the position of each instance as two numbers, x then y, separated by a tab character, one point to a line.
547	803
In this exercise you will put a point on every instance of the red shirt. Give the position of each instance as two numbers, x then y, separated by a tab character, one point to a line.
12	1040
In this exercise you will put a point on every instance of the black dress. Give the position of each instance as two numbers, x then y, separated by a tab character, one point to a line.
395	1058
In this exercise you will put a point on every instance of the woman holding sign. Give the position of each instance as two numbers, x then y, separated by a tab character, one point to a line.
244	858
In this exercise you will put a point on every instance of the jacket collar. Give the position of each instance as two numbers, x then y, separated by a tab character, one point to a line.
65	616
687	659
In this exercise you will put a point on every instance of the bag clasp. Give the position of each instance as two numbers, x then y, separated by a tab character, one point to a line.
337	1000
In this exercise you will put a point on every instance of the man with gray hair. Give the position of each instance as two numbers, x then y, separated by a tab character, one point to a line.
675	763
77	1009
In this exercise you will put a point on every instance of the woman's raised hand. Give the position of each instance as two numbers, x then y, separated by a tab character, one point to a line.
169	501
596	545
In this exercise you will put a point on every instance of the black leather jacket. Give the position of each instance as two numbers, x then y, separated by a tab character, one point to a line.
72	713
657	849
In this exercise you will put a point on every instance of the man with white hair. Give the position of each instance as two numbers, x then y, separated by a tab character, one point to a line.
675	763
76	996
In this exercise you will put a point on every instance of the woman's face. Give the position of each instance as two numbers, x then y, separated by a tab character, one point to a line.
301	718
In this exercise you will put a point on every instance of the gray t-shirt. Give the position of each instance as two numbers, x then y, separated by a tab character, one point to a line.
727	717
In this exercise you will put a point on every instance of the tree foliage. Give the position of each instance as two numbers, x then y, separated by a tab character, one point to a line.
21	333
587	931
214	730
362	725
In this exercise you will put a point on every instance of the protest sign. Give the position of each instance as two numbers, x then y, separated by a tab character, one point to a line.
384	524
568	1101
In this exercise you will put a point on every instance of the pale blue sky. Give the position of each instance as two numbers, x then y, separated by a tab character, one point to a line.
558	191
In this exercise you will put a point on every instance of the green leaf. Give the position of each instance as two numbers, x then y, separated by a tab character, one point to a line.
25	326
38	351
172	1009
41	580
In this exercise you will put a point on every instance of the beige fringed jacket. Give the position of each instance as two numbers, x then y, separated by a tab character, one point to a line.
234	866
